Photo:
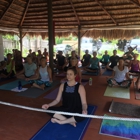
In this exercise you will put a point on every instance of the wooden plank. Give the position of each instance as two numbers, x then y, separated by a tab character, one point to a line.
24	14
6	9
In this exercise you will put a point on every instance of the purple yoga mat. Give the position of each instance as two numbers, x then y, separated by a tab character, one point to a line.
52	95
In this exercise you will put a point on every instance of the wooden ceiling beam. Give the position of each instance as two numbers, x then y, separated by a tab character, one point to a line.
24	14
11	2
135	3
106	11
73	8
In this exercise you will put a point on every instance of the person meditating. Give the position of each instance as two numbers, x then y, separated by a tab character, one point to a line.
74	64
128	56
68	62
7	70
86	58
105	59
113	61
120	76
93	65
134	65
73	100
45	74
61	60
29	70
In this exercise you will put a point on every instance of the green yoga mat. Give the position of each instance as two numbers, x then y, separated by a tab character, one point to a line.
35	92
117	92
11	85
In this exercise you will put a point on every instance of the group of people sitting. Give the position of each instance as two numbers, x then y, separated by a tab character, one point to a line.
35	67
39	74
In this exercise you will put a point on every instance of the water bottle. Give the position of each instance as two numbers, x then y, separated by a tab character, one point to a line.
90	81
19	85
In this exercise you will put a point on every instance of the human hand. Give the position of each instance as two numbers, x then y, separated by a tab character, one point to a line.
45	106
84	112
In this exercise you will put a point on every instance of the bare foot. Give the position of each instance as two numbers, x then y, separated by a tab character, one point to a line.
54	120
73	124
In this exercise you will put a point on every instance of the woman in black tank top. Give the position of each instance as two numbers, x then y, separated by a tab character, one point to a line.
73	100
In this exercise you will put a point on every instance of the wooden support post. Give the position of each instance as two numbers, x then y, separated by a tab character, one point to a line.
20	39
79	39
50	33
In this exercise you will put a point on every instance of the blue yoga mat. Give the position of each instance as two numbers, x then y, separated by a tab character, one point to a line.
11	85
107	73
54	131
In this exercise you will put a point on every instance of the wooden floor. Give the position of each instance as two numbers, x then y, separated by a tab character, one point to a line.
19	124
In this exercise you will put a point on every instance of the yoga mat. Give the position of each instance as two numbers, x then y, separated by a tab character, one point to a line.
12	85
35	92
90	73
125	109
54	131
107	73
52	95
117	92
137	93
121	129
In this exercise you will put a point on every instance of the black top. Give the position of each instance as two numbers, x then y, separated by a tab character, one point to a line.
71	98
114	60
86	58
61	60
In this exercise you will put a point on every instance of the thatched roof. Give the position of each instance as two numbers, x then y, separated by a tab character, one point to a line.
107	18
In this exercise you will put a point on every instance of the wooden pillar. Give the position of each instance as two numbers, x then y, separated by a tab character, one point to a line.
50	33
20	39
1	48
79	39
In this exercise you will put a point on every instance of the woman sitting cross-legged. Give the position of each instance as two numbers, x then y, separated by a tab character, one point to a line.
45	74
29	71
134	66
94	64
10	67
120	75
74	64
73	100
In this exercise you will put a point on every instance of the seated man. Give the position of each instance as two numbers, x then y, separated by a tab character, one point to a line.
86	58
93	65
120	75
45	74
61	60
128	56
105	59
29	71
113	61
7	70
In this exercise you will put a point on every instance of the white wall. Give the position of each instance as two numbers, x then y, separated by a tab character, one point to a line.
1	49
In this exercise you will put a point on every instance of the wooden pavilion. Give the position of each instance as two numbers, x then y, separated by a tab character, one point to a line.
112	19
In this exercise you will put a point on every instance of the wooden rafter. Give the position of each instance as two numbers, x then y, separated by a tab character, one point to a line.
73	8
7	9
106	11
24	13
135	3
